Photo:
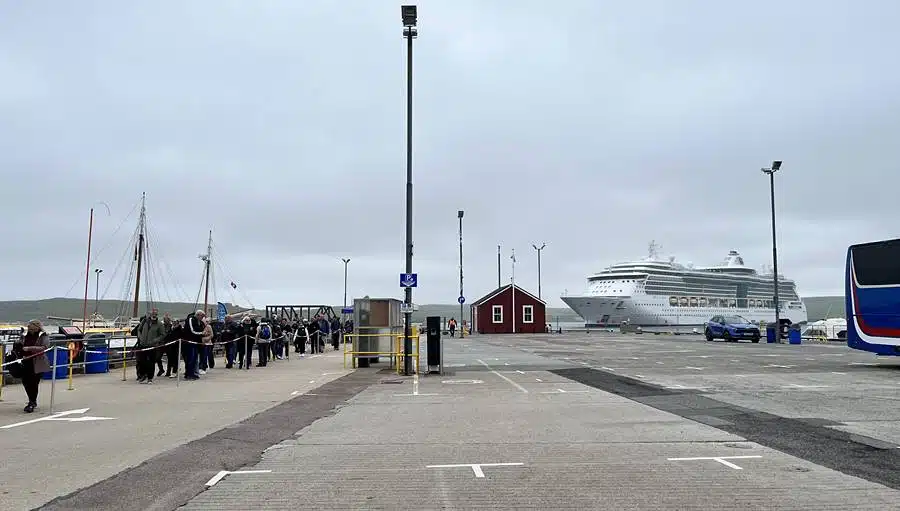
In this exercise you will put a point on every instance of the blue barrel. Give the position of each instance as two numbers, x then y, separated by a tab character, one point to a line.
770	333
96	359
794	336
62	361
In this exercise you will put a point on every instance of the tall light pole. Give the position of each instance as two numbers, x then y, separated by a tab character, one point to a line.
346	262
462	298
408	13
499	281
539	264
776	165
97	272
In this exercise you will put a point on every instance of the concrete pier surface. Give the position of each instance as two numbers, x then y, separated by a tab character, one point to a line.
573	421
511	427
106	426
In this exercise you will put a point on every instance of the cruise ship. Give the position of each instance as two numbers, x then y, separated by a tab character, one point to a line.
658	293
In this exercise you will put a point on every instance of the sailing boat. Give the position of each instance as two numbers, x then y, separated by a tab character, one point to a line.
217	315
122	324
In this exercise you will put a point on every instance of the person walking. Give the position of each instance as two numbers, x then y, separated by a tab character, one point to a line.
31	350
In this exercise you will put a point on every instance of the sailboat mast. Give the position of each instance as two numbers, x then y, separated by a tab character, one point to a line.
208	259
87	272
140	256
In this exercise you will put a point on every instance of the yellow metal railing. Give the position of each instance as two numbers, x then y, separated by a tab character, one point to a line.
397	354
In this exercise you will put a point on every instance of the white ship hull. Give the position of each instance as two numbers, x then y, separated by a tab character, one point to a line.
655	311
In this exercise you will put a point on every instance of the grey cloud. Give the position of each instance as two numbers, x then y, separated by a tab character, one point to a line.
281	126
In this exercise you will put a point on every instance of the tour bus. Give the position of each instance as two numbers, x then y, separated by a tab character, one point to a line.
872	297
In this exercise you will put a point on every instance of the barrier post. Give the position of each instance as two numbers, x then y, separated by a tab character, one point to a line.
53	378
2	357
178	361
71	347
246	363
124	354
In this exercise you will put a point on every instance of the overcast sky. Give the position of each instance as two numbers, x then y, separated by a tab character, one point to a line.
595	127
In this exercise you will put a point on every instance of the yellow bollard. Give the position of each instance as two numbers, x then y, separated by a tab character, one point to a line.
71	347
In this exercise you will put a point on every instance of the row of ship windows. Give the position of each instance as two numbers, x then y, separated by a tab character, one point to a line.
693	301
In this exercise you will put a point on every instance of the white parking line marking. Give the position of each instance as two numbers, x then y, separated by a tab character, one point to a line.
561	391
476	467
221	475
720	459
61	416
514	384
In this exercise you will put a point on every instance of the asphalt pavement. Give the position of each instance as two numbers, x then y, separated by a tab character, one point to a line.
590	421
113	444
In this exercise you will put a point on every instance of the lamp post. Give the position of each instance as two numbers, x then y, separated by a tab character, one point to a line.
539	265
346	262
462	298
408	13
97	272
776	165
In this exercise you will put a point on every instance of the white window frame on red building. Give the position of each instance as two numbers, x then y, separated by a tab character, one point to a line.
495	310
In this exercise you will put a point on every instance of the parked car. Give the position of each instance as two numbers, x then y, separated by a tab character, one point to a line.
731	328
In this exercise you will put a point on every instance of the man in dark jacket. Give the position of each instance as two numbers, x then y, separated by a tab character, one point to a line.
175	334
335	333
230	332
245	343
150	333
277	339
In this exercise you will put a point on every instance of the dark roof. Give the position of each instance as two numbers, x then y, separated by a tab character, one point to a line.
503	289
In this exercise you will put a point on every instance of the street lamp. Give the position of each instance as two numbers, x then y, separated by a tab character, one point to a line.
410	32
346	262
462	298
539	265
776	165
97	272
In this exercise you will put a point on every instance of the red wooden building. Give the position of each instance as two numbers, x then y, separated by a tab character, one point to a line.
495	313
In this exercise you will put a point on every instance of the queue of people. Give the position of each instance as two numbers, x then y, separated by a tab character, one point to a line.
271	338
195	338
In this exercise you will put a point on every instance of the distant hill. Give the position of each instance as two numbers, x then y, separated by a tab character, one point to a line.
818	307
21	311
565	314
821	307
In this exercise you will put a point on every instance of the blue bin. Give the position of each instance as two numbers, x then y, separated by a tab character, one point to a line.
770	334
794	336
62	363
96	359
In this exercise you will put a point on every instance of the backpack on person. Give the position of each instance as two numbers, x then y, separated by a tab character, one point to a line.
265	332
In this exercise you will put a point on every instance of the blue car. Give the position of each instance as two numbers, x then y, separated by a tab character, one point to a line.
731	328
